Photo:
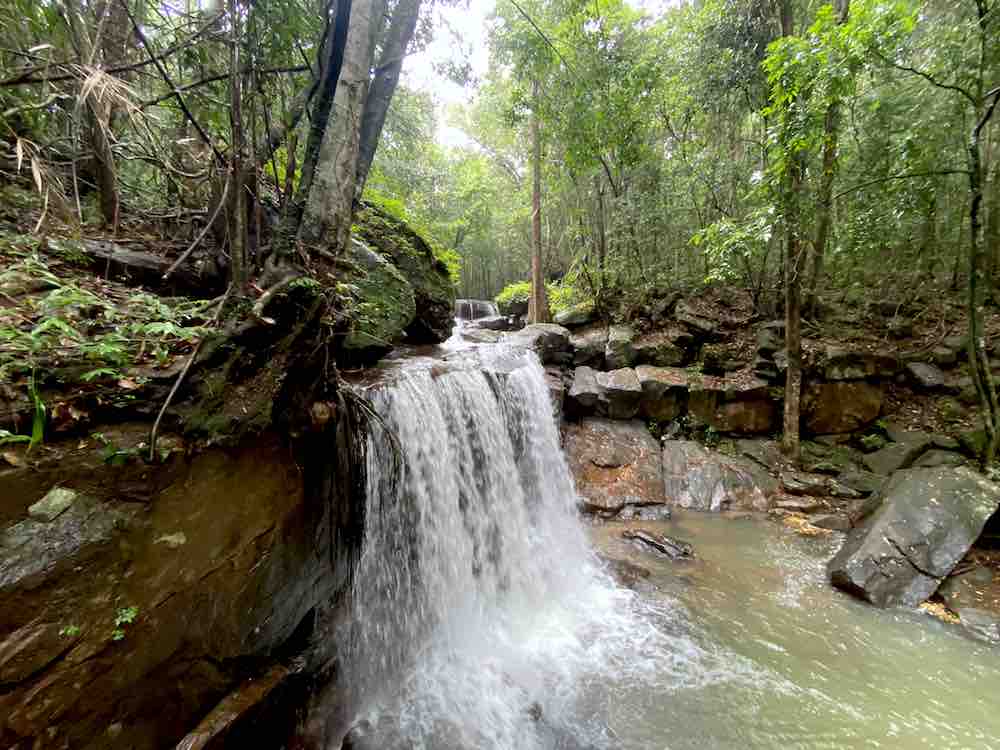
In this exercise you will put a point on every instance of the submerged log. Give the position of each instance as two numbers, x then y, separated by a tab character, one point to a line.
675	549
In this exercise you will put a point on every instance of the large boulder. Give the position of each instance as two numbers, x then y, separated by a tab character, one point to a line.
428	276
620	393
898	455
615	464
619	351
588	345
699	479
664	392
665	348
840	406
928	520
857	364
738	405
549	340
584	393
578	315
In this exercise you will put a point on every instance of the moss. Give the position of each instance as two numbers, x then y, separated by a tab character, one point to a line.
381	301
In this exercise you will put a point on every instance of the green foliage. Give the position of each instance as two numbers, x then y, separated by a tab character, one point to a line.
125	616
519	291
69	631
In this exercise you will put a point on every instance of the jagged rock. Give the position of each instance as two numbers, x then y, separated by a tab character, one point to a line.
857	364
928	520
859	510
720	359
672	548
980	623
900	455
585	392
842	491
664	392
56	502
831	521
557	391
659	349
480	335
899	327
625	572
619	352
771	338
548	339
966	589
766	369
796	503
614	463
944	357
698	323
733	405
842	406
620	393
644	513
588	345
662	308
864	482
800	483
926	377
936	457
578	315
698	479
765	452
491	323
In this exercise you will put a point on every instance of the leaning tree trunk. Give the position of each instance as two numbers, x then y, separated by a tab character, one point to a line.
538	312
238	271
390	64
329	205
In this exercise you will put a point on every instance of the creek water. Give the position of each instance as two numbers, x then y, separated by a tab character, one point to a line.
483	617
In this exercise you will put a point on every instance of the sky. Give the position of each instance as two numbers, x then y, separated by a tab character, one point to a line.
470	25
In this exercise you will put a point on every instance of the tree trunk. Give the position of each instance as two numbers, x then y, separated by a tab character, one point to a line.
390	64
237	192
329	206
539	309
978	268
793	281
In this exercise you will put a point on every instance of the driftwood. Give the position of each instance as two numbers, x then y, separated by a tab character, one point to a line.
191	279
672	548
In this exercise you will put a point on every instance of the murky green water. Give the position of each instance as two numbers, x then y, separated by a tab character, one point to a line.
769	655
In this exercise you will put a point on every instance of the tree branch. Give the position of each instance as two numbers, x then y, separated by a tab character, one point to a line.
910	176
221	77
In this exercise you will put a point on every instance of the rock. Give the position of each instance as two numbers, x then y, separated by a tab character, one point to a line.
644	513
831	521
385	301
557	392
944	357
765	452
771	338
937	457
588	345
864	482
620	393
857	364
548	339
432	287
698	479
481	336
625	572
660	349
584	393
700	324
926	377
614	463
966	589
842	406
733	405
899	327
796	504
800	483
663	307
56	502
578	315
928	520
842	491
664	392
896	456
619	352
672	548
491	323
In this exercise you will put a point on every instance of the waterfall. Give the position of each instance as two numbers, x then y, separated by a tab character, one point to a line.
480	614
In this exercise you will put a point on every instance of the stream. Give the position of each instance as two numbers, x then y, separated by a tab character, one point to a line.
484	618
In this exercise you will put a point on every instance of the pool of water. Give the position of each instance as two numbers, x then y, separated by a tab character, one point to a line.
764	653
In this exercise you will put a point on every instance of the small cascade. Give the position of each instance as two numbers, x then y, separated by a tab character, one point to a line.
480	614
474	309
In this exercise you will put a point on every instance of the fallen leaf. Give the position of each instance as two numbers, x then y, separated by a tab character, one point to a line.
12	458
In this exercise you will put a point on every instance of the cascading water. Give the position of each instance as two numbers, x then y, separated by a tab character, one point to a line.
481	618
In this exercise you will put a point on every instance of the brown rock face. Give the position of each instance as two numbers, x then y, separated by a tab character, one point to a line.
842	406
615	464
124	622
742	407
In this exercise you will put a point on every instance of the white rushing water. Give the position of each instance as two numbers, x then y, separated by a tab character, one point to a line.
478	600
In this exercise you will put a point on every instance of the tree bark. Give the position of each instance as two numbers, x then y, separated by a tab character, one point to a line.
539	309
237	193
329	205
390	64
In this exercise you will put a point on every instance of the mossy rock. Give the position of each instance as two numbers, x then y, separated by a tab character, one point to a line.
432	290
384	306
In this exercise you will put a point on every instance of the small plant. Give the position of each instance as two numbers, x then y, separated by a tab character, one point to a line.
125	616
70	631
